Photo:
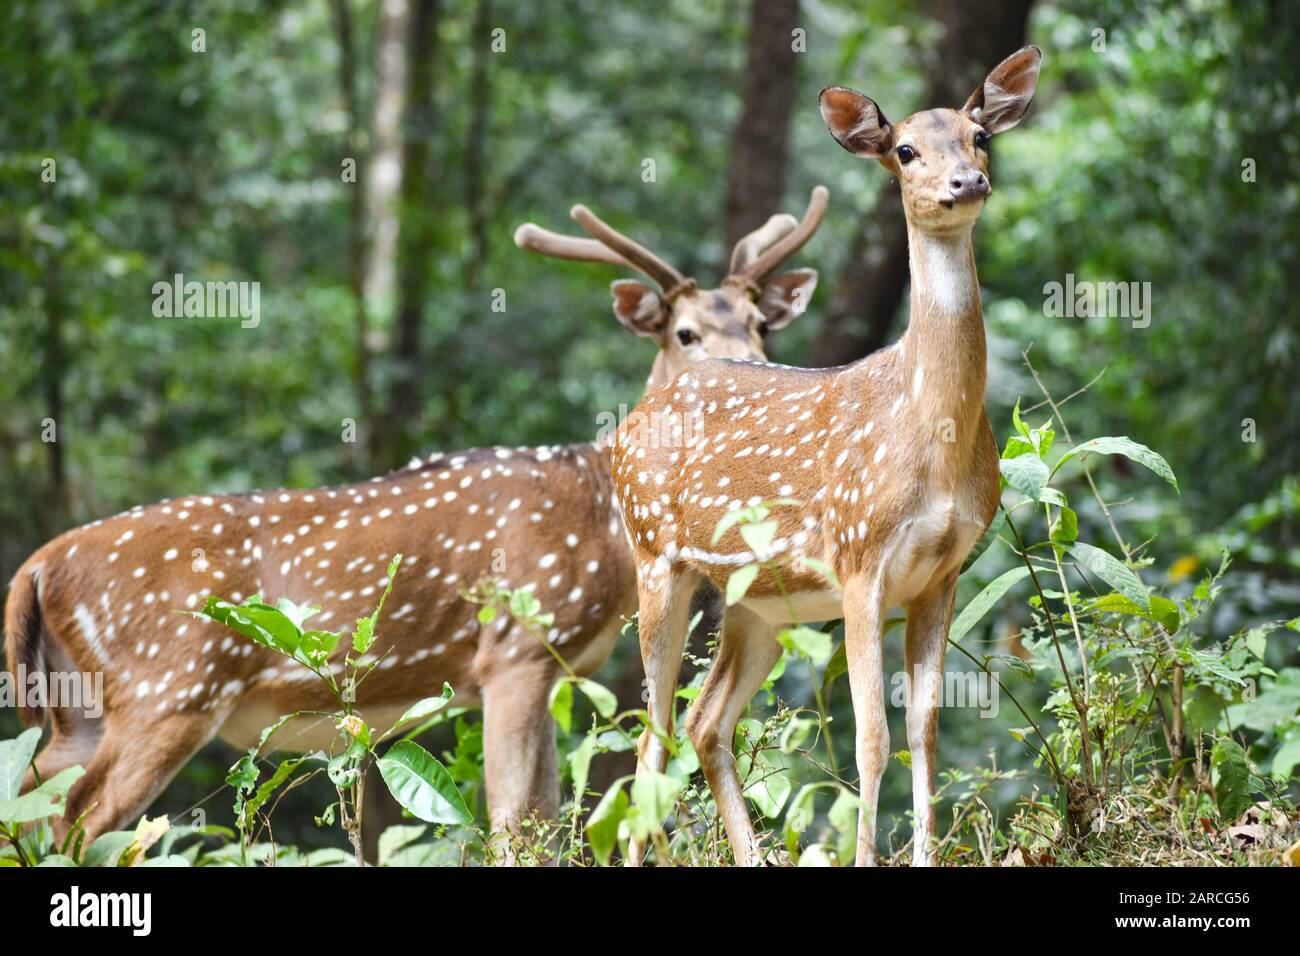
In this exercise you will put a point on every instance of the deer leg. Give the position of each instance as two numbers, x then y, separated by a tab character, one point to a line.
665	602
128	771
519	760
863	644
747	654
928	618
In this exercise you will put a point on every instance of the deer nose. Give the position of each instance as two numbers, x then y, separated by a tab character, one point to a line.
968	183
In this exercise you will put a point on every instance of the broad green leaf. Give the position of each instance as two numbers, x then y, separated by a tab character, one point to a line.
1027	474
980	604
807	642
1236	785
487	614
50	799
601	698
424	709
602	825
580	765
1113	571
561	704
824	569
843	816
422	785
15	755
395	838
740	516
108	848
759	537
1257	641
739	582
1162	610
655	794
1065	527
1126	447
1287	757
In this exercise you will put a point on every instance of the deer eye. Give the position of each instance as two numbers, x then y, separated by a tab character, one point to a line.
763	328
981	140
906	154
687	336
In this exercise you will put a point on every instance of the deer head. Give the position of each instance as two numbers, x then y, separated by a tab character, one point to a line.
940	156
690	323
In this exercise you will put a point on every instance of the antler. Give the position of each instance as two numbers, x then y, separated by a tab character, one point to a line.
669	279
544	242
781	250
750	246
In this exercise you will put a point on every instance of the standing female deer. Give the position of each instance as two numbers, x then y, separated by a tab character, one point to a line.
891	459
100	598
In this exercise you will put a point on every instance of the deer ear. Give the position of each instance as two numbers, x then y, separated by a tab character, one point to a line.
1002	99
856	122
786	297
639	307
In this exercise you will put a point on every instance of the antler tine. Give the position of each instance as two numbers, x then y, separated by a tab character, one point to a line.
558	246
788	245
639	256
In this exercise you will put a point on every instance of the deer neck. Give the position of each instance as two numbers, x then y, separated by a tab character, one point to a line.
944	349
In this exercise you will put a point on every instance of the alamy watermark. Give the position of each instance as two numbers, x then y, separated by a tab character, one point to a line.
975	689
65	690
1103	300
208	300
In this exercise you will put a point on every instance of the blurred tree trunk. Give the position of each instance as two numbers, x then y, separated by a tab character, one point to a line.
756	179
873	279
415	233
384	173
352	141
480	104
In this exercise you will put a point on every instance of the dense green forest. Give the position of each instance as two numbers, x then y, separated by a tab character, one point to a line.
367	164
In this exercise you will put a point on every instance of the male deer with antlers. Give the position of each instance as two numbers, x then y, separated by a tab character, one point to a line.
891	460
100	598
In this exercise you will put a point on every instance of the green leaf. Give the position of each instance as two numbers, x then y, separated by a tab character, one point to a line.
580	765
422	710
602	825
487	614
739	582
843	816
561	704
655	794
1018	421
601	698
15	755
270	785
1287	757
1126	447
422	785
1064	529
980	604
759	537
824	569
1236	785
807	642
1027	474
364	635
395	838
1257	641
50	799
740	515
1113	571
108	848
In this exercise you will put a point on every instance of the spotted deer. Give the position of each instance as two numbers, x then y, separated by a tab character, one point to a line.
100	598
890	459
